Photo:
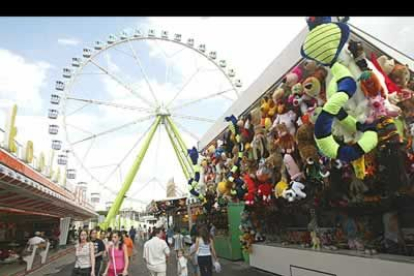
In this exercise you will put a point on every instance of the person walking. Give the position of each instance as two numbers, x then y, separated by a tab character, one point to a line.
178	240
129	244
181	264
99	250
118	262
192	264
156	253
132	233
205	252
85	257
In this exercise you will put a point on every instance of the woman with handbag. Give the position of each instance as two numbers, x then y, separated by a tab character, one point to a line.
85	257
205	252
118	257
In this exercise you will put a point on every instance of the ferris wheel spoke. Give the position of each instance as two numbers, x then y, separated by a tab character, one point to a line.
120	82
88	150
184	86
186	130
78	109
193	118
105	103
142	187
103	166
135	56
113	129
128	153
221	93
78	128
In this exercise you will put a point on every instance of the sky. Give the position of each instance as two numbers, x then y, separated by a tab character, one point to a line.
34	51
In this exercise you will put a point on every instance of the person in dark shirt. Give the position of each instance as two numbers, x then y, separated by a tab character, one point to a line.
132	233
99	250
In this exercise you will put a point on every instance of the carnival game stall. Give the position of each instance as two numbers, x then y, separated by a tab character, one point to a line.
323	160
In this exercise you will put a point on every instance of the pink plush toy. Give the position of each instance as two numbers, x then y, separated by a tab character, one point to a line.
378	107
294	76
292	167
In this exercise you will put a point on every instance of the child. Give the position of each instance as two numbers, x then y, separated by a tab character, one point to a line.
181	264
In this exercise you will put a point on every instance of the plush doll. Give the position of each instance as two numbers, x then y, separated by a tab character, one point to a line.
294	192
264	109
358	53
400	75
265	192
285	140
293	77
313	86
386	64
280	187
249	197
341	89
357	188
378	107
287	117
306	143
259	143
278	95
316	242
371	85
292	167
309	67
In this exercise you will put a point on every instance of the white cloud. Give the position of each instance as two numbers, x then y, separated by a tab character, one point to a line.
68	41
21	81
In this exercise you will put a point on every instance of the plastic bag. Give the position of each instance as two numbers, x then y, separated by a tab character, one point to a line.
217	266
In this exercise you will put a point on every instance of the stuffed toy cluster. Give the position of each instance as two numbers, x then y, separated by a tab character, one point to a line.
337	130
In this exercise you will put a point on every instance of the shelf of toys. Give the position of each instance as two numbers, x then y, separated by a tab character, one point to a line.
324	162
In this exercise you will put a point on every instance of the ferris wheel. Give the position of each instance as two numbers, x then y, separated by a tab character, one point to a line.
111	103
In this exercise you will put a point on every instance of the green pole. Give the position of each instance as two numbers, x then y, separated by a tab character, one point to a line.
130	176
177	153
180	141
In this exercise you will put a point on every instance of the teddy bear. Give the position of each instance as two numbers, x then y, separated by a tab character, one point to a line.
400	75
357	50
285	139
306	143
259	143
386	64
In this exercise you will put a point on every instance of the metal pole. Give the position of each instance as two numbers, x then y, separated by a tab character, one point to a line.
130	176
177	153
180	141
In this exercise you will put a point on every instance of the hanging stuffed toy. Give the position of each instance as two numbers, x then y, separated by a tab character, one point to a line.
294	192
325	50
249	197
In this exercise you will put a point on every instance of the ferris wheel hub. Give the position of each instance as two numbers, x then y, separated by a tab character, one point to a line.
162	111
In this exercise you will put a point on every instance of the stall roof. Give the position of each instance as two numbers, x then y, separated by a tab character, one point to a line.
24	190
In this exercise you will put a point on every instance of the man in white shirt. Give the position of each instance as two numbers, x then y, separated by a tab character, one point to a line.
156	253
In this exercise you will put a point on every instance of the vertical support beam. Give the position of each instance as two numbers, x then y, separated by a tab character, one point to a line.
184	147
180	141
131	175
177	153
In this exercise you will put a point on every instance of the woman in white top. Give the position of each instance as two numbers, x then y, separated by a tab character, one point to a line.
85	257
205	251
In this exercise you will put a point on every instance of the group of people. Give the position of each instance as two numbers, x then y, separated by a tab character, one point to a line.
103	253
110	253
197	261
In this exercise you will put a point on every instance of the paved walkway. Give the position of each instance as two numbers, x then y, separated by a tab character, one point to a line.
63	267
